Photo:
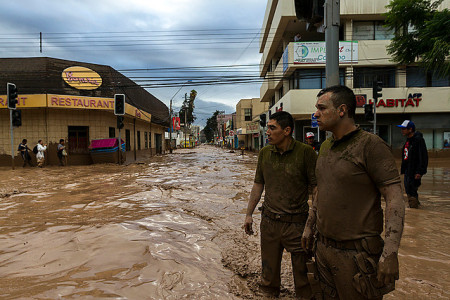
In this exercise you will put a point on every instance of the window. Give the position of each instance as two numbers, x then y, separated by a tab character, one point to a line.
149	139
79	139
145	140
371	30
247	114
127	140
311	79
138	140
364	77
112	132
419	77
280	93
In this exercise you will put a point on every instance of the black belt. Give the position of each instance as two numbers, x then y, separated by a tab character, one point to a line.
288	218
343	245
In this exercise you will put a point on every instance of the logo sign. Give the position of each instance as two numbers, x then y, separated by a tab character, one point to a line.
315	52
360	100
231	133
82	78
314	121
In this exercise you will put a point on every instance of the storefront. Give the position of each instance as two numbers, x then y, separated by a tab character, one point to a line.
74	101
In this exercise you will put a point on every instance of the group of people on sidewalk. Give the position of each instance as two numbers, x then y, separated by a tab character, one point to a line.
336	247
39	150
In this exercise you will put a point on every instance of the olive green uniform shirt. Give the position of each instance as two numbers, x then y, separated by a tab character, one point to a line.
350	172
286	177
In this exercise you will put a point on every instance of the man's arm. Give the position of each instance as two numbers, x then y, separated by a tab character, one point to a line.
308	232
394	217
255	196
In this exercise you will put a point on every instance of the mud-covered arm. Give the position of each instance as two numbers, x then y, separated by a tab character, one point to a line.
255	196
388	270
308	232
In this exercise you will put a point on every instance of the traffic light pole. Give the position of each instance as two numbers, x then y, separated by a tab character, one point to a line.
375	115
120	149
12	138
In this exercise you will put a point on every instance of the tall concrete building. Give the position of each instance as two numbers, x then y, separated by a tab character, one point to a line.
294	72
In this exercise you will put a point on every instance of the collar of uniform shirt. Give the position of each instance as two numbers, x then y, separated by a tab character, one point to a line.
290	148
346	137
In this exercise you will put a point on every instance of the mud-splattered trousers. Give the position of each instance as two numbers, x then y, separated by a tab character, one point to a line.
275	237
337	267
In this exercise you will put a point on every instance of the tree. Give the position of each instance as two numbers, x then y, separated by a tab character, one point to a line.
211	127
188	106
421	34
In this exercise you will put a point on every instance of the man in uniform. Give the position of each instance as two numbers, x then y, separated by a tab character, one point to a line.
414	161
285	171
353	170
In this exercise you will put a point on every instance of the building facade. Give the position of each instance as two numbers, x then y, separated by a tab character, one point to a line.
294	72
250	134
74	101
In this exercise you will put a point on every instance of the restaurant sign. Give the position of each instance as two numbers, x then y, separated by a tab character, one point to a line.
82	78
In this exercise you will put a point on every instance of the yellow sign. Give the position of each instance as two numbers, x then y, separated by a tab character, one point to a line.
82	78
66	101
25	101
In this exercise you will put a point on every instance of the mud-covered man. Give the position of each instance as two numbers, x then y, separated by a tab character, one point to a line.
354	169
285	170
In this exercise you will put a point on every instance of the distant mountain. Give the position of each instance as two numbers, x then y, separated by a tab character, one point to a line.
205	109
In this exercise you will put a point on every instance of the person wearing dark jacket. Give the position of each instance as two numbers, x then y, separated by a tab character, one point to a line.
414	161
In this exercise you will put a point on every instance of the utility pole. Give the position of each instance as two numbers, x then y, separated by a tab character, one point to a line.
185	120
171	128
332	22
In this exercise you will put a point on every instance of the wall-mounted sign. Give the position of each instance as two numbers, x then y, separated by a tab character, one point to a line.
413	100
315	52
252	127
82	78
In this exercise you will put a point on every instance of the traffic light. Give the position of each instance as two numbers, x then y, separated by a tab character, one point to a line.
311	11
377	88
120	122
368	112
17	118
12	95
262	120
119	104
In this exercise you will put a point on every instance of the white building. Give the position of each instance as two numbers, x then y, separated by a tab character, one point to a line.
294	72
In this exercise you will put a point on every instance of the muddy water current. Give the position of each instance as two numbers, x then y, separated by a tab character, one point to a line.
171	228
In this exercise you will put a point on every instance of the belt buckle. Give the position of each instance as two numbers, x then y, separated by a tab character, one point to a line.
277	216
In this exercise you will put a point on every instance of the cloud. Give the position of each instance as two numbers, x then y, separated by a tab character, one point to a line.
140	34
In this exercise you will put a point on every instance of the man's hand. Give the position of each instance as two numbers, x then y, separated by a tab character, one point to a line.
307	239
248	225
417	176
388	269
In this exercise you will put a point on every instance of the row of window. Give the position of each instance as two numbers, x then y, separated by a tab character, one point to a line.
364	77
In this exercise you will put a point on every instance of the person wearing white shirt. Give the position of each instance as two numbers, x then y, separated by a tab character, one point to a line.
40	157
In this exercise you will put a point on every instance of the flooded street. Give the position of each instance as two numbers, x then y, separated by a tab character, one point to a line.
171	228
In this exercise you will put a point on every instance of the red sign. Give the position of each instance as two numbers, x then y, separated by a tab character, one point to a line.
231	133
176	123
413	100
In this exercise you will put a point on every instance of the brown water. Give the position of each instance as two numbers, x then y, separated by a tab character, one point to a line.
170	228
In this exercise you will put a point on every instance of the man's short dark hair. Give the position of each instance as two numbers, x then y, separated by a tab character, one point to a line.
61	140
24	141
283	118
341	94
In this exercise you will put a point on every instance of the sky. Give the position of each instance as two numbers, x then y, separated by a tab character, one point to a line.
168	47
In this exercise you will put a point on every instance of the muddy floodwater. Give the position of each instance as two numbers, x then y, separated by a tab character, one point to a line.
171	228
